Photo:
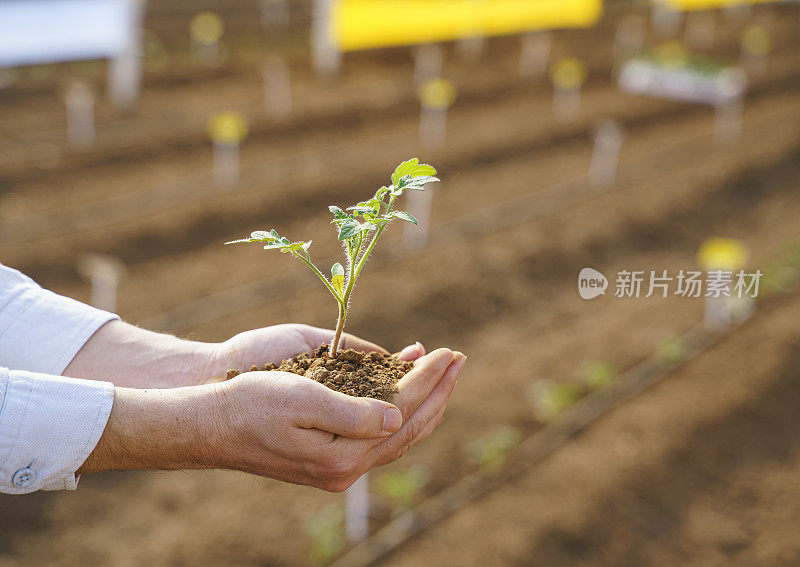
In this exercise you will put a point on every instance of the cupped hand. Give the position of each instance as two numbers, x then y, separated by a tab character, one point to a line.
296	430
277	343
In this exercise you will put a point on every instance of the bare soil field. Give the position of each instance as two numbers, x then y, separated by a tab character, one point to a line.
699	469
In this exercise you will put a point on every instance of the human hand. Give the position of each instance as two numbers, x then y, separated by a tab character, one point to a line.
279	342
293	429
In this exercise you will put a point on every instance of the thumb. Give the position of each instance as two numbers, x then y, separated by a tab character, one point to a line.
348	416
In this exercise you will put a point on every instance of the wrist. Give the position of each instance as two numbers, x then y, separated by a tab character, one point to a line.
161	429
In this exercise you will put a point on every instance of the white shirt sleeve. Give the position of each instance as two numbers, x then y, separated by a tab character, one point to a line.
48	427
48	424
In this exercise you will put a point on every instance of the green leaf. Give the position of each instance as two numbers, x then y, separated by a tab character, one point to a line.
349	228
418	183
337	277
260	235
403	216
337	212
413	168
404	168
380	193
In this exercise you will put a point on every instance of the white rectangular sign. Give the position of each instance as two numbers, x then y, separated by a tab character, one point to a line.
48	31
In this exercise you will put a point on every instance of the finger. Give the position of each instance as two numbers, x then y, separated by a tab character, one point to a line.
357	343
414	387
319	407
415	426
430	427
411	352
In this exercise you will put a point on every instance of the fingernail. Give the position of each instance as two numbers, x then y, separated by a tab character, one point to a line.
460	364
392	419
420	348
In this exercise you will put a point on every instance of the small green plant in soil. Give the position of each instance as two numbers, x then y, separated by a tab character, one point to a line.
550	398
490	451
402	488
597	373
326	530
672	350
359	229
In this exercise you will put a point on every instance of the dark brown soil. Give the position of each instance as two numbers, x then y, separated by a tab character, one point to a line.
364	375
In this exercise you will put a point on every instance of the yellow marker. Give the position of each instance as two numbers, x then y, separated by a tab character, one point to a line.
206	28
437	94
369	24
672	54
227	128
694	5
569	74
726	254
756	40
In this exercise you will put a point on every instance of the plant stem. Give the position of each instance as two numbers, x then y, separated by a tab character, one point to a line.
372	244
334	350
320	275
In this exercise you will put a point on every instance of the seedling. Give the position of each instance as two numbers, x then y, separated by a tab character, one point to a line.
490	451
672	350
550	398
402	488
359	231
326	530
597	374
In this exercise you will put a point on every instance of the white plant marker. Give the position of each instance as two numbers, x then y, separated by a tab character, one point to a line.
605	156
666	20
728	255
277	87
227	130
325	56
700	29
729	109
630	36
104	273
79	101
274	15
568	76
428	63
206	29
470	47
125	70
756	45
356	507
534	54
436	96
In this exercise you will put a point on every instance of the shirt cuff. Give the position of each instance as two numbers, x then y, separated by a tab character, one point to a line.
46	330
49	425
